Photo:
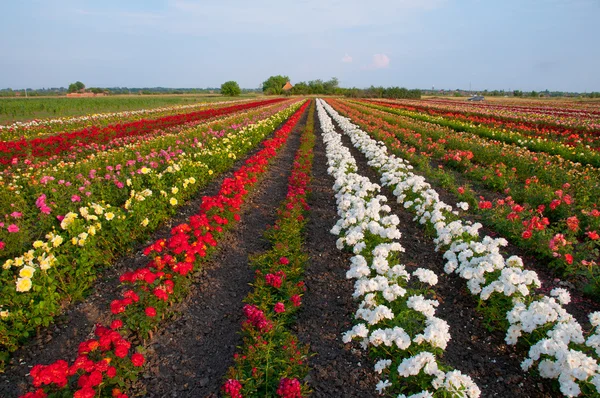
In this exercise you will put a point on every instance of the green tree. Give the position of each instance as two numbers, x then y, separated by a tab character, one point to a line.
274	85
316	87
230	89
330	86
75	87
300	88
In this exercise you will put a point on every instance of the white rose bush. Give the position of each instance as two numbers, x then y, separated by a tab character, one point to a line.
395	319
553	340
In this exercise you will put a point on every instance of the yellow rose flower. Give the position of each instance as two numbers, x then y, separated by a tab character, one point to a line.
57	241
173	201
29	255
109	216
27	272
174	190
4	314
145	222
44	264
37	244
145	170
23	284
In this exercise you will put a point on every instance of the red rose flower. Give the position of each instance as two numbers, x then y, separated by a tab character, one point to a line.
150	311
116	324
137	359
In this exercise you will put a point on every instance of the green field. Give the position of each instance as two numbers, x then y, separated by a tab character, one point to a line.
18	109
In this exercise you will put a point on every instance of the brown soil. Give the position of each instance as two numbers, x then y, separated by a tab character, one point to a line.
191	355
336	369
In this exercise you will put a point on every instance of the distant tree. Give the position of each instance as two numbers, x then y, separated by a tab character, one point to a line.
231	89
316	87
330	86
518	93
533	94
75	87
300	88
274	85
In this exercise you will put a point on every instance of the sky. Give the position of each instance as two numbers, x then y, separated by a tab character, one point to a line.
446	44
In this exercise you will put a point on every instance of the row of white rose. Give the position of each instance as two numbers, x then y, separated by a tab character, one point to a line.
366	228
557	344
108	115
41	256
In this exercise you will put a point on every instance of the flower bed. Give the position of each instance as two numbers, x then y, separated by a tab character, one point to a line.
555	341
272	361
64	265
151	290
395	321
44	127
33	200
579	151
543	202
12	151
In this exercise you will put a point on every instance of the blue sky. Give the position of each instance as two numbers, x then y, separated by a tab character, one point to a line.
493	44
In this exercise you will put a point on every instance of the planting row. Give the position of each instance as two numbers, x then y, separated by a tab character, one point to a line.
151	290
555	341
575	147
35	285
540	203
44	127
11	152
272	361
395	321
548	122
34	200
558	108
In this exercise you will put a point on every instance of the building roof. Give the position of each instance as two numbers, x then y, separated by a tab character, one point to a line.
288	86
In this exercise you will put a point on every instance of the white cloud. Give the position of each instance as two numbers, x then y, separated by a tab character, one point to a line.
380	61
347	59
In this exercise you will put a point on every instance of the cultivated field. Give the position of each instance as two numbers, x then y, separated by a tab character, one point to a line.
23	109
287	247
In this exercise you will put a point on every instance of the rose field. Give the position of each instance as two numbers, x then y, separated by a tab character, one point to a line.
291	247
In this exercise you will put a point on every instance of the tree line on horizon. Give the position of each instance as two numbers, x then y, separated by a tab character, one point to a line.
274	86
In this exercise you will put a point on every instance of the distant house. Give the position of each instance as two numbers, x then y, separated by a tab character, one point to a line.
288	86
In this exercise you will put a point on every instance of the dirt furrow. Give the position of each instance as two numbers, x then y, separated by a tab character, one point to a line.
336	369
190	356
